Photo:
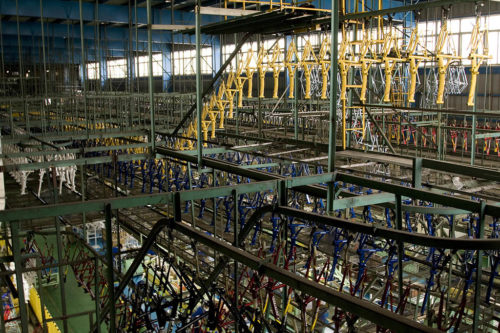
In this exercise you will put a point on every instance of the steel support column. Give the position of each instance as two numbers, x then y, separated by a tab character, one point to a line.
150	79
401	251
109	270
479	273
417	173
332	128
16	251
199	106
84	69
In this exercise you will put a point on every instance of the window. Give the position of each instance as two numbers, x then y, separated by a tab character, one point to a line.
493	47
206	60
142	65
226	52
245	54
185	61
117	69
93	71
460	36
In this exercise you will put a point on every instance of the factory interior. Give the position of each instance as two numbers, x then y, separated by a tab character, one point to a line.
254	166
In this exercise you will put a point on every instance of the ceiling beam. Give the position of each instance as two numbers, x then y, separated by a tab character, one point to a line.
69	10
226	11
111	33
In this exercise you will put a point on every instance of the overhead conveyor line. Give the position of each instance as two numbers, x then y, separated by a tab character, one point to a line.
321	191
265	181
398	235
362	308
317	191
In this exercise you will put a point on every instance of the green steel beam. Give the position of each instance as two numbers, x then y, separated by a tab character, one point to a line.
69	162
488	135
294	182
223	191
431	210
428	111
258	166
465	170
83	207
73	150
208	151
465	204
78	135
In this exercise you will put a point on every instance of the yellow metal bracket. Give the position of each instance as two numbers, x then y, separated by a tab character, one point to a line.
307	62
291	66
478	38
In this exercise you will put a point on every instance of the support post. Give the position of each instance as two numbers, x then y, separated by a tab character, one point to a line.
130	53
46	90
21	70
296	99
417	172
399	226
109	270
2	60
235	244
43	324
199	106
282	193
332	128
479	272
84	69
16	249
473	132
150	79
62	283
